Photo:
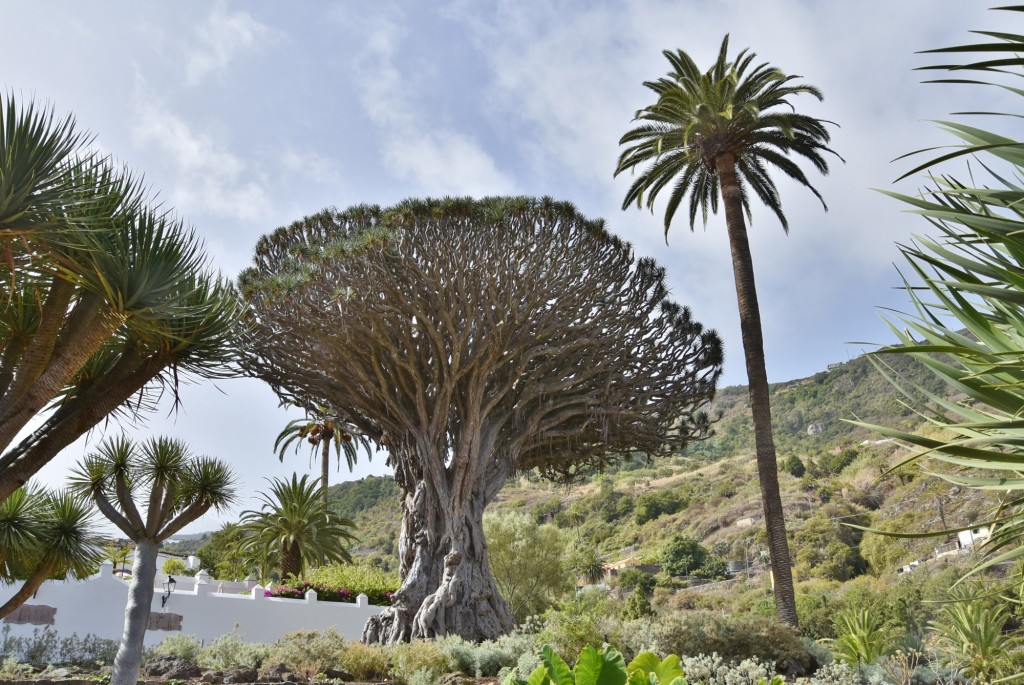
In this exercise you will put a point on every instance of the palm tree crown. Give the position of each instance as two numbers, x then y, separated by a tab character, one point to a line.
322	432
734	112
297	525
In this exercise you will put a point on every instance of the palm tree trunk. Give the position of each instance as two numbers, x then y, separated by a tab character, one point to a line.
325	467
757	379
136	615
291	560
28	588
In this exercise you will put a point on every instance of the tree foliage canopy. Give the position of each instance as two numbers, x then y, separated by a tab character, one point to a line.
410	320
737	110
297	526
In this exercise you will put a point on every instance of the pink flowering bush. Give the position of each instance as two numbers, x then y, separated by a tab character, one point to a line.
341	584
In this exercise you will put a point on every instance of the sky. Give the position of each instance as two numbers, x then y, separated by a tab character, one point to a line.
247	116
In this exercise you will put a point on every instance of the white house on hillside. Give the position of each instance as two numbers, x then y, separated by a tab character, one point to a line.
972	537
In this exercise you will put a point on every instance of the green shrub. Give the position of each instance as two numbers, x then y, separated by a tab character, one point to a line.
308	651
590	618
12	669
45	647
793	466
420	661
733	637
862	636
41	648
230	650
89	650
365	662
713	568
487	658
355	579
181	646
656	503
174	567
637	606
635	579
682	555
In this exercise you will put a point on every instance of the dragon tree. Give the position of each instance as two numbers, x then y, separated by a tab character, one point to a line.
473	340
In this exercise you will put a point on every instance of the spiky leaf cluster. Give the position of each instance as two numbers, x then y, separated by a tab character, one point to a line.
966	287
737	110
152	490
104	296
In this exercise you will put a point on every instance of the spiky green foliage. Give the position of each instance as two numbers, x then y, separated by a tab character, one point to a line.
966	286
735	108
971	633
297	526
104	294
862	636
323	433
176	485
45	535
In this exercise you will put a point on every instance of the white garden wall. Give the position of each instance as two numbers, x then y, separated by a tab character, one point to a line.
97	606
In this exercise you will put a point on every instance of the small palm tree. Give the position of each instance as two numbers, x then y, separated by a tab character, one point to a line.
862	636
713	135
586	563
294	523
322	433
178	487
969	629
45	535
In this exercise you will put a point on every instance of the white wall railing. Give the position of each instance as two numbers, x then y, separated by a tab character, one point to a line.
97	606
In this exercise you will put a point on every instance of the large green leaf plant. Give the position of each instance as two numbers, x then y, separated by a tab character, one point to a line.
966	286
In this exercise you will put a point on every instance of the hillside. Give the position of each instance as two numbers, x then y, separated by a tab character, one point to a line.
808	414
711	492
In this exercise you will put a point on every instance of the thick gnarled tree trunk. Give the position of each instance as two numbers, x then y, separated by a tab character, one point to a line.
447	584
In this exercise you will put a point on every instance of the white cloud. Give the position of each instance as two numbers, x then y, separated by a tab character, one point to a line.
311	165
220	39
437	159
208	177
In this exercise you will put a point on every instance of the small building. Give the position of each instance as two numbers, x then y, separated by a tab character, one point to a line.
975	536
614	568
748	521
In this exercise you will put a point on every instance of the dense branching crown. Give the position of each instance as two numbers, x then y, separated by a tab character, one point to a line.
508	330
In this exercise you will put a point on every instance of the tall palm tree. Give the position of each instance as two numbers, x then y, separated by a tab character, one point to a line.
322	433
45	535
716	134
298	526
177	486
